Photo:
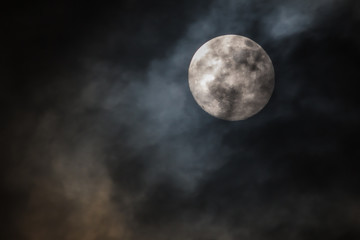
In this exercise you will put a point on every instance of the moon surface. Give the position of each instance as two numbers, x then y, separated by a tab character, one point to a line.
231	77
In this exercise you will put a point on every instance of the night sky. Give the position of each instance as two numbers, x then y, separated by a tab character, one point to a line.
101	138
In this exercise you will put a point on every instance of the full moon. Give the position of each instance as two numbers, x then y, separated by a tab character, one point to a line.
231	77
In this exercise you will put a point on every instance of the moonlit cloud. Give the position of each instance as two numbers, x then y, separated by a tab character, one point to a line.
105	141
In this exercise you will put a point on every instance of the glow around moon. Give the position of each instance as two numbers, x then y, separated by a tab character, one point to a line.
231	77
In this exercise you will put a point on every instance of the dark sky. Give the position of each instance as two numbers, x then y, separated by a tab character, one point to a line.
101	138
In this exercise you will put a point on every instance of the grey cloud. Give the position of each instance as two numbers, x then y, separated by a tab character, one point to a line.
155	105
131	156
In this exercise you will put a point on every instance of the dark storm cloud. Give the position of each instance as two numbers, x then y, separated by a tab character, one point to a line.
115	147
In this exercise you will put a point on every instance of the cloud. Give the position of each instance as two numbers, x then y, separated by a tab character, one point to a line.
122	151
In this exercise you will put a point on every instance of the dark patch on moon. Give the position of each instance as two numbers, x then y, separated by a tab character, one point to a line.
249	43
